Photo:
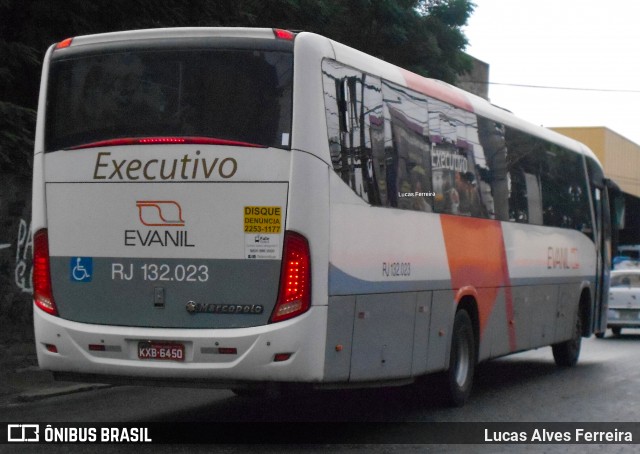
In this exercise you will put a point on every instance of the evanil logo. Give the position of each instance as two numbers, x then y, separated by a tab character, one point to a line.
159	213
165	213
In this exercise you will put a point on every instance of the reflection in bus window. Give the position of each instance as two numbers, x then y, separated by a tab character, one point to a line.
547	184
399	148
493	174
353	107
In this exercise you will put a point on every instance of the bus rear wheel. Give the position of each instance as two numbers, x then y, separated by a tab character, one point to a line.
566	353
459	377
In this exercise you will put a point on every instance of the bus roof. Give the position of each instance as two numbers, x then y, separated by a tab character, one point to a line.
173	33
452	95
350	56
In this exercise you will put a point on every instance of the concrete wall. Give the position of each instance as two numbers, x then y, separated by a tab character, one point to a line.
622	162
477	80
16	253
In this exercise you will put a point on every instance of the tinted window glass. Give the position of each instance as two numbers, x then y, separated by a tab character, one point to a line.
408	170
547	183
432	162
454	145
491	162
353	107
242	95
399	148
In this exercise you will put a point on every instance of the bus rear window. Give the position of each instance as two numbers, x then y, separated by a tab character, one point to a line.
237	95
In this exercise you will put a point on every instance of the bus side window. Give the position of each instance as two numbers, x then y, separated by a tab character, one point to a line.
491	164
525	165
408	149
353	108
454	170
564	190
547	185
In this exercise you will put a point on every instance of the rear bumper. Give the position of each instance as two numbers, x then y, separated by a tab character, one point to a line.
623	318
256	347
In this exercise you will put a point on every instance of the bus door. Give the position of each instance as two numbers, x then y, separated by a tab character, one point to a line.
605	198
602	269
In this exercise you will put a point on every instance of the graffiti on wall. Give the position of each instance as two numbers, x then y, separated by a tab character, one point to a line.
24	257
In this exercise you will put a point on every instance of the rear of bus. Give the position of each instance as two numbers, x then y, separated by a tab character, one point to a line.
165	239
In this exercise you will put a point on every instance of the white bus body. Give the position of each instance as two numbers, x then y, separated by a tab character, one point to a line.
159	251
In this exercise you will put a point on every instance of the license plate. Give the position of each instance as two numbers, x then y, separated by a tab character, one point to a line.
630	315
169	351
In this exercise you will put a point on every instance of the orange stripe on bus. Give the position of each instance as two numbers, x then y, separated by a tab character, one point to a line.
478	264
436	89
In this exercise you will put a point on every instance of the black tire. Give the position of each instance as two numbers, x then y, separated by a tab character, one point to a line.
462	360
253	393
272	391
616	330
566	353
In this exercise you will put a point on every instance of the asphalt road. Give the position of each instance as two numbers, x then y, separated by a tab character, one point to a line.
527	387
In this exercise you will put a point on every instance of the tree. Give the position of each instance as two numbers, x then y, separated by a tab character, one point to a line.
424	36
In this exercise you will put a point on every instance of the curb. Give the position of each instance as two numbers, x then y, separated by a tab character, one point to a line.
32	384
36	395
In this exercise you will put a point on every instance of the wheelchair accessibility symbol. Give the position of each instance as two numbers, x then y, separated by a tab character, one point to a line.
81	269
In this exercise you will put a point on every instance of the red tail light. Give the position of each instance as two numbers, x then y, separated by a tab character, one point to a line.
165	141
42	294
294	296
64	43
284	34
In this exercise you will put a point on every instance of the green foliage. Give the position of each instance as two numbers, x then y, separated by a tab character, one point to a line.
16	138
424	36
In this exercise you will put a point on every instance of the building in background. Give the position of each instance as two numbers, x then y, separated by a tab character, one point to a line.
619	156
476	81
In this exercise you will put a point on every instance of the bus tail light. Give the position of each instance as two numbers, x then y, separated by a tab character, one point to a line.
165	141
281	357
42	293
64	43
294	296
284	34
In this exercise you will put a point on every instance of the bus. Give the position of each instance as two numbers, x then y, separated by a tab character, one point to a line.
257	209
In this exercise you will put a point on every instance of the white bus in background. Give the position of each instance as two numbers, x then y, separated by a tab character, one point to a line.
253	208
